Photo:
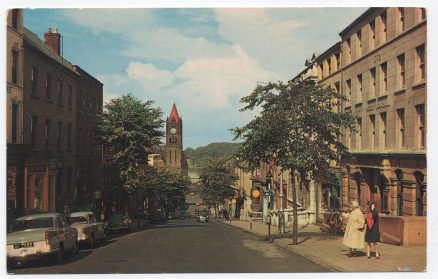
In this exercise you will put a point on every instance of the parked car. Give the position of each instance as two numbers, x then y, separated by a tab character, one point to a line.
36	236
89	231
203	216
119	223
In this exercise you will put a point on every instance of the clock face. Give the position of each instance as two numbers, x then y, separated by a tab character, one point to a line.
173	131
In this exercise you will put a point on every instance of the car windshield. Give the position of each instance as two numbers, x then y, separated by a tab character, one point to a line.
21	225
77	219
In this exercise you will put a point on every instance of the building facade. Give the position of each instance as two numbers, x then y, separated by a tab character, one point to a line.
45	117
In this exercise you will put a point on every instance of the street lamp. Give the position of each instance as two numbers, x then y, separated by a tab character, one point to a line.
268	180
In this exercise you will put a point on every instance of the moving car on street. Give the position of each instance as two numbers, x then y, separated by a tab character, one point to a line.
203	216
119	223
89	231
33	237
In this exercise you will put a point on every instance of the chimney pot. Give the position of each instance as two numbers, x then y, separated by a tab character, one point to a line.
49	30
55	30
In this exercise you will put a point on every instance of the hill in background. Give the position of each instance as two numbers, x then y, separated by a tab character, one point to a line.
201	155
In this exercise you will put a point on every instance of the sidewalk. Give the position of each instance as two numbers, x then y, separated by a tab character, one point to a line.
327	250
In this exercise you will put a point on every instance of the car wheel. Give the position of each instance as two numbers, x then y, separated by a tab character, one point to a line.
91	243
60	253
76	247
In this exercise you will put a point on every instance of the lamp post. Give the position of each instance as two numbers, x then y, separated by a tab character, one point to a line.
281	217
268	180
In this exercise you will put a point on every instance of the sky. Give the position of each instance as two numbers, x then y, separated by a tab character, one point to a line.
202	59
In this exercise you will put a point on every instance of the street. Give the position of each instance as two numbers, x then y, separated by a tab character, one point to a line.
179	246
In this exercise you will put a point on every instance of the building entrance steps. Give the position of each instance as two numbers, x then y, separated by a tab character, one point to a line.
327	249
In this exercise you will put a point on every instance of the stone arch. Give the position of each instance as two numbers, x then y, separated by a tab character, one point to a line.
420	191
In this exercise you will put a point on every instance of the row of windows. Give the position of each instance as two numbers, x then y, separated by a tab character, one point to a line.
87	102
400	130
420	76
48	133
376	37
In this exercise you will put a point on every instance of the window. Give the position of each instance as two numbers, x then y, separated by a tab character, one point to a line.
47	133
15	19
14	66
70	95
422	12
329	64
419	193
34	80
384	77
48	86
348	91
420	64
400	128
69	136
33	126
59	87
373	82
59	134
382	136
421	125
372	33
359	88
384	27
399	175
359	43
359	134
348	51
401	19
401	70
69	174
14	122
372	130
338	61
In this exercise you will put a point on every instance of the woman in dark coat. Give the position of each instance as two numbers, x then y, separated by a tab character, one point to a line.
372	234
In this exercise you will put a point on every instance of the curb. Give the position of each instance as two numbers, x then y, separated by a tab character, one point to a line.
300	253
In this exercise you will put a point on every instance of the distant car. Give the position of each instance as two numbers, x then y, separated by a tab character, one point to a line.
36	236
119	223
89	231
203	217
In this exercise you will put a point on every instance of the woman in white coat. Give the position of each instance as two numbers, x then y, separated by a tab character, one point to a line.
354	236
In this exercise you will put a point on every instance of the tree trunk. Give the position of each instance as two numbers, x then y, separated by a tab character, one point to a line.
295	209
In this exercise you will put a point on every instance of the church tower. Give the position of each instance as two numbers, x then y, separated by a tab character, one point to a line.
174	148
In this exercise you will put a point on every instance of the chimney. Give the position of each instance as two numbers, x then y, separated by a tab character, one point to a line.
53	40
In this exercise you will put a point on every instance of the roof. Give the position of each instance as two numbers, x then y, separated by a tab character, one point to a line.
174	114
80	213
357	20
38	216
330	50
34	41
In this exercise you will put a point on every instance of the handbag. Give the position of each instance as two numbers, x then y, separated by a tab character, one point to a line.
370	220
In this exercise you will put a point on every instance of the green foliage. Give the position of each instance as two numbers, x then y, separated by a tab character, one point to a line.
297	128
171	186
129	126
216	180
201	155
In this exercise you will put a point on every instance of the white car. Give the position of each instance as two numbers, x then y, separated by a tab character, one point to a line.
33	237
203	217
89	231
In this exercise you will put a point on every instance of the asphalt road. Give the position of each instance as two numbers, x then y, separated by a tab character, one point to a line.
178	247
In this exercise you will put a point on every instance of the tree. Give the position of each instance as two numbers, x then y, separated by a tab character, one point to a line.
297	130
129	126
216	180
171	187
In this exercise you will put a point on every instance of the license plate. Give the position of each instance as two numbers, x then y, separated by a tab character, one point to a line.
23	245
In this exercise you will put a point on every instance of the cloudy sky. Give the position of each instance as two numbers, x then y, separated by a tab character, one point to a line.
204	60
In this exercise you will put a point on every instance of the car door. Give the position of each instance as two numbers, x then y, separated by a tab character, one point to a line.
67	234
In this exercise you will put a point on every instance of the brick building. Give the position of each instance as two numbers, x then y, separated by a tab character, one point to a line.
45	115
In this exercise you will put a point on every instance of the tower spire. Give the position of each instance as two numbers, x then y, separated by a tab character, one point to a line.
174	114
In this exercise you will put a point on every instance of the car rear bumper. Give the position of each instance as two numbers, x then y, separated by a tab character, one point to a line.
30	256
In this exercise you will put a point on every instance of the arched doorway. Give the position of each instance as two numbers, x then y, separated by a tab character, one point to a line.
419	193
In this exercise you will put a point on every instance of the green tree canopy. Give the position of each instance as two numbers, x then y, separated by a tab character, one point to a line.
216	180
129	126
297	130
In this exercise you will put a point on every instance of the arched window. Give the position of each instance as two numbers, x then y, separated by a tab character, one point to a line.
399	175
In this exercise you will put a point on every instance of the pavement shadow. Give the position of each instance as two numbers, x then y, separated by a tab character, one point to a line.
175	226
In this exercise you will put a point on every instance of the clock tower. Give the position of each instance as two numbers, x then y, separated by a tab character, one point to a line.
173	147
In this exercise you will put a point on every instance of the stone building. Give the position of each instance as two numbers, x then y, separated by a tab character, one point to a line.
47	119
380	67
16	147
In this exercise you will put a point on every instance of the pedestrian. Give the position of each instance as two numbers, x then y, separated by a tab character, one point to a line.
372	234
355	230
